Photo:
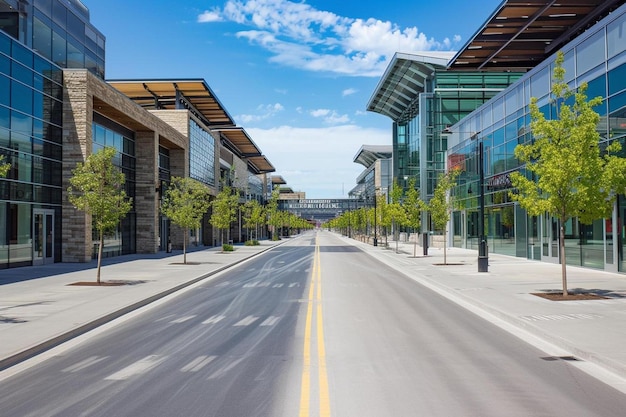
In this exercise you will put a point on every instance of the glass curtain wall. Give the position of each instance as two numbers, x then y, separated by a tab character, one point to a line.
597	58
31	94
109	134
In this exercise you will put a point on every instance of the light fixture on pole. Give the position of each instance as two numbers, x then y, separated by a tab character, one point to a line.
483	255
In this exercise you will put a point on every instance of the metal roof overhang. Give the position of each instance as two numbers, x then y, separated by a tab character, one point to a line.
176	94
277	180
239	141
368	154
403	81
260	164
522	33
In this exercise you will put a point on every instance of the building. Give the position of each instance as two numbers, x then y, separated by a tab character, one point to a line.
507	61
377	175
56	109
422	98
592	35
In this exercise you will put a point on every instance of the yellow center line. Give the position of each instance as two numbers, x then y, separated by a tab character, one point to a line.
305	394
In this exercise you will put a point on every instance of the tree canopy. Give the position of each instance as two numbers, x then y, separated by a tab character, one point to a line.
97	188
185	202
569	173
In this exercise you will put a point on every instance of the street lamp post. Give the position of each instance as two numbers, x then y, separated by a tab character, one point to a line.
483	255
375	215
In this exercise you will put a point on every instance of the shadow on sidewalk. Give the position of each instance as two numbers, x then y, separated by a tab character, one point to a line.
26	273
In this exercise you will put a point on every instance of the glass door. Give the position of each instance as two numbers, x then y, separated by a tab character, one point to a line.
43	236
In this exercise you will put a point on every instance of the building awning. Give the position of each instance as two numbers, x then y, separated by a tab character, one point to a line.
520	34
260	164
192	94
404	79
368	154
239	141
278	180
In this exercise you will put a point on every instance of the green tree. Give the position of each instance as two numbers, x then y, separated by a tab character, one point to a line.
97	188
4	167
274	219
440	205
413	207
568	174
396	210
185	202
253	217
224	210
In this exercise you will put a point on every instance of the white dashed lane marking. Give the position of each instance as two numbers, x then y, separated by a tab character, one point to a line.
213	319
182	319
140	367
246	321
197	364
85	363
270	321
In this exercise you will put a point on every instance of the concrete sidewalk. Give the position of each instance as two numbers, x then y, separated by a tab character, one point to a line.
39	309
590	330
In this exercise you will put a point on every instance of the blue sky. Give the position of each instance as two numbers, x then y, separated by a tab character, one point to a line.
297	76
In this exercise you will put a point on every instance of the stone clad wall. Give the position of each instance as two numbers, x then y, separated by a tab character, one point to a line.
77	144
84	94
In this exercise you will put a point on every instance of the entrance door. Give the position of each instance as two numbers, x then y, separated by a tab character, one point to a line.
43	236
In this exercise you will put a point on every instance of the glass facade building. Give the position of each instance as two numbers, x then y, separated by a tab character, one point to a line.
423	99
597	57
37	40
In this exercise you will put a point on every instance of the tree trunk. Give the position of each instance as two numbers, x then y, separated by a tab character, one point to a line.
99	257
562	253
445	253
186	233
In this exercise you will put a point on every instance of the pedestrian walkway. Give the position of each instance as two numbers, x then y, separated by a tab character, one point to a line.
40	308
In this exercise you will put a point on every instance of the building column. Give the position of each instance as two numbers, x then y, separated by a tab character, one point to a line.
147	192
77	244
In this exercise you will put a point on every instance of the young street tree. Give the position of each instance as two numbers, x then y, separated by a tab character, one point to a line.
224	210
274	220
413	207
97	188
253	217
440	205
185	202
396	211
569	175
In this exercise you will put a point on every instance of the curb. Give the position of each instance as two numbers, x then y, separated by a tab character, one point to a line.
42	347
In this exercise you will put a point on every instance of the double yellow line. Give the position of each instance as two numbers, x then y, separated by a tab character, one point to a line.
315	298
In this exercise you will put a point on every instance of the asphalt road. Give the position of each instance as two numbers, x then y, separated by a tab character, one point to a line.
313	327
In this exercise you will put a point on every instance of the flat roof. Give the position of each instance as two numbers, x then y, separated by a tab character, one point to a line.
176	94
520	34
403	81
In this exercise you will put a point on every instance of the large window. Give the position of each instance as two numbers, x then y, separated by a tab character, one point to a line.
201	154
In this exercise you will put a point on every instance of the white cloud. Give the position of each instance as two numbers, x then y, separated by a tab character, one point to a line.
330	116
300	36
320	112
209	16
318	160
349	91
264	111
